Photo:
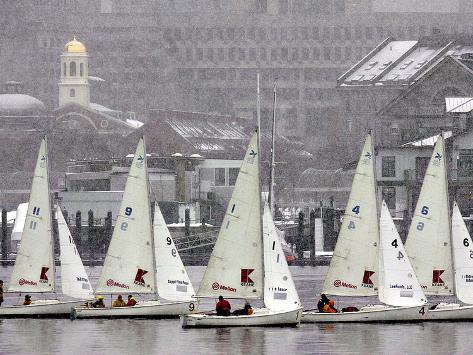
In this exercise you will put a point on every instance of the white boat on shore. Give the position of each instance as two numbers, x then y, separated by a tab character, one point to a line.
34	270
369	260
142	257
247	261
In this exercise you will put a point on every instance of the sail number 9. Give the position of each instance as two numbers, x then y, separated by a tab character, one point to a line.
191	306
168	241
425	210
128	211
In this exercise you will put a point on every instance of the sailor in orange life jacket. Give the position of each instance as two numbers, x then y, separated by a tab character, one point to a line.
329	307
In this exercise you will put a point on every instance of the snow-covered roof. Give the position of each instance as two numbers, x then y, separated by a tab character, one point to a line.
100	108
459	104
427	142
134	123
20	105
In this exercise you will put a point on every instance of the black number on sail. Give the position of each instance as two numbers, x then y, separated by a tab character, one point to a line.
356	209
394	243
191	306
466	242
420	226
168	241
400	256
422	311
174	252
128	211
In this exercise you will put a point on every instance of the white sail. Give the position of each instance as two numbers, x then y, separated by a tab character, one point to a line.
34	265
428	241
172	280
462	257
279	290
74	280
235	268
354	267
398	285
129	264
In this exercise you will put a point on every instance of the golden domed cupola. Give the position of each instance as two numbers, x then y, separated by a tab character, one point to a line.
74	84
75	46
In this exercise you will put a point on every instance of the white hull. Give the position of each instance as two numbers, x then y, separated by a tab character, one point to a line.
370	314
40	308
451	312
149	309
260	317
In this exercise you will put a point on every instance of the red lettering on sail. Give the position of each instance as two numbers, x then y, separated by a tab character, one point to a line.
139	280
367	279
245	277
43	277
436	280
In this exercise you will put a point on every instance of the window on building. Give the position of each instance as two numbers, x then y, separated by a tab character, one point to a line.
72	69
465	165
252	54
241	54
262	53
81	69
421	167
232	176
72	92
389	196
261	5
283	6
388	166
64	69
219	176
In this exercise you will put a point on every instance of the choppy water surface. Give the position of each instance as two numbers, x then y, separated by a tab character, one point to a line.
62	336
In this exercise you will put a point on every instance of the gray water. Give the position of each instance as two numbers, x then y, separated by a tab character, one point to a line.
62	336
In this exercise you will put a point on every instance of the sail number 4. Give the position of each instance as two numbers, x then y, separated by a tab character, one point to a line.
400	255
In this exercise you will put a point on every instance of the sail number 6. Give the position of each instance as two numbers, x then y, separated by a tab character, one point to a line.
425	210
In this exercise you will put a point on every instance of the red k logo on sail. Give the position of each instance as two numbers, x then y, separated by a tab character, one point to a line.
367	279
436	280
43	277
139	280
245	277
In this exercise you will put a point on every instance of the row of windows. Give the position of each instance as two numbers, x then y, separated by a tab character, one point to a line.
72	69
283	54
308	75
262	34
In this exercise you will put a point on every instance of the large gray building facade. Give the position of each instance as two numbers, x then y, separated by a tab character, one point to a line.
203	55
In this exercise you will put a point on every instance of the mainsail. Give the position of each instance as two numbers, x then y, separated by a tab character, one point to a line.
279	290
172	280
74	280
34	265
129	264
235	268
428	241
462	257
398	285
354	267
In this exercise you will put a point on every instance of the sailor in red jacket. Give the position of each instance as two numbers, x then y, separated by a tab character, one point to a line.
131	301
222	307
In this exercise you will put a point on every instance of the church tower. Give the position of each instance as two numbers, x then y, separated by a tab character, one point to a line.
74	84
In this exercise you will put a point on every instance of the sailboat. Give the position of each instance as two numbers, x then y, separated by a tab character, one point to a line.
142	257
34	270
247	261
440	252
368	261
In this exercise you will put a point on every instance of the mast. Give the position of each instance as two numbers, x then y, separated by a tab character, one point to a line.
272	163
260	206
448	212
258	110
150	217
50	222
